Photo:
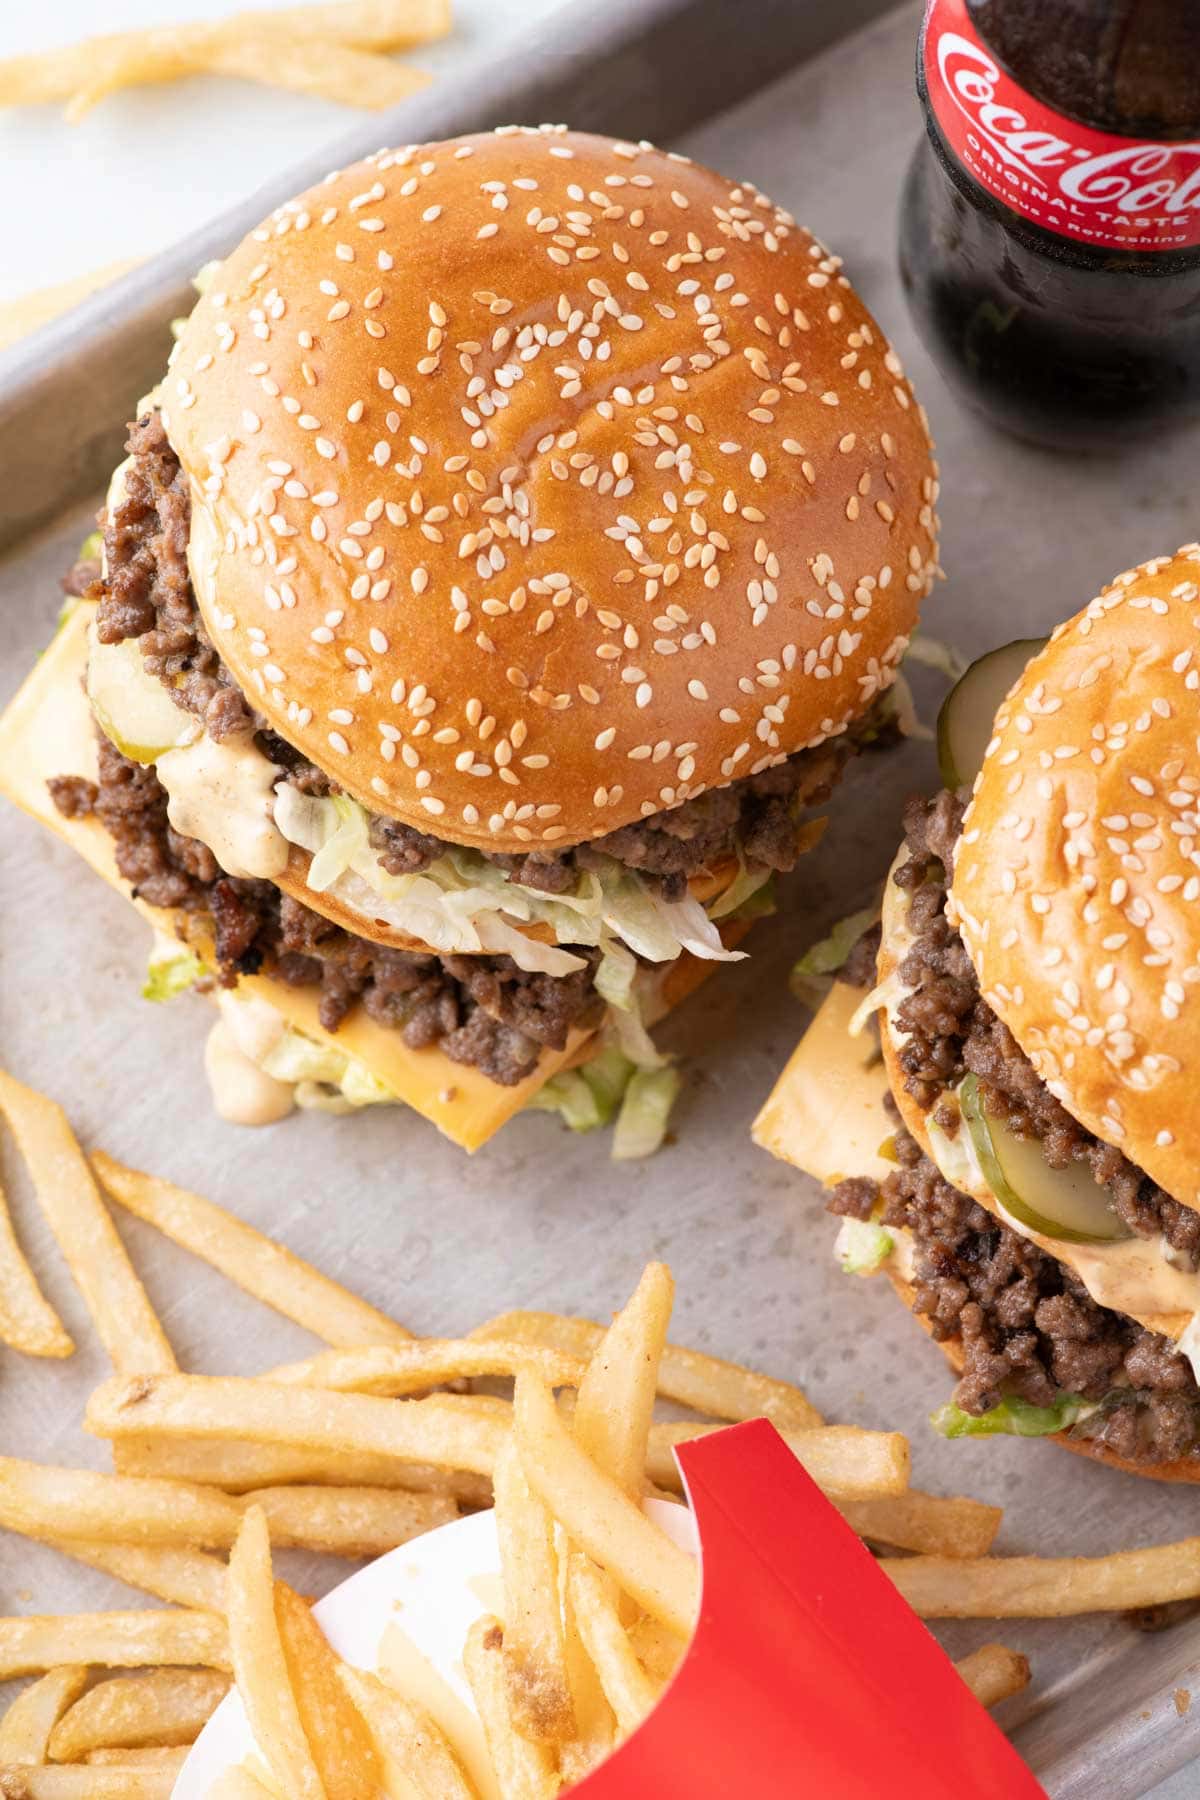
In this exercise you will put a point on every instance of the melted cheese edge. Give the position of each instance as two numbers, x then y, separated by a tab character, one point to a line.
47	731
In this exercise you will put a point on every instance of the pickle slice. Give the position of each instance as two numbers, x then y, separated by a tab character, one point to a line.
132	708
964	727
1058	1203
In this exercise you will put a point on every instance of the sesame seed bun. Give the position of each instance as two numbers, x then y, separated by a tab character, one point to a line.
540	482
1077	877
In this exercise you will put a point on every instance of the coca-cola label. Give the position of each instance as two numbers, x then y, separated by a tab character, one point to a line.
1118	193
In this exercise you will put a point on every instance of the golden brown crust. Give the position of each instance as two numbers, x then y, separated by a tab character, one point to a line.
1077	878
540	483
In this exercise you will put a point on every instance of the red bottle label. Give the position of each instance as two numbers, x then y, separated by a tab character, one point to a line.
1116	193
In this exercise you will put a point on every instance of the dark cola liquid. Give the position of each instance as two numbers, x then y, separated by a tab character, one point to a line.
1054	339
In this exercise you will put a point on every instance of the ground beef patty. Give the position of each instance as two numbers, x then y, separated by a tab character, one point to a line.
482	1010
952	1030
147	594
1026	1325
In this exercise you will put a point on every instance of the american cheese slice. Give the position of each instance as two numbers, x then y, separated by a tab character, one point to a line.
47	731
825	1113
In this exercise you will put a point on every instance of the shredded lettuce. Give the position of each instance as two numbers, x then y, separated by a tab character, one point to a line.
590	1096
749	881
170	969
570	1096
587	1097
935	653
348	839
881	998
1012	1418
904	710
645	1113
830	953
616	975
628	1031
322	1076
862	1246
464	904
761	904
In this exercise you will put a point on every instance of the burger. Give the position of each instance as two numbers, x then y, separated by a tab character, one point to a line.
1034	1195
525	533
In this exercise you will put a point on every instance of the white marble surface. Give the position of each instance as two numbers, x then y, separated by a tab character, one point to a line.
148	165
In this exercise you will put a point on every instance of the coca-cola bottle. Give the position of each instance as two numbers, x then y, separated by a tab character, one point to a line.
1050	234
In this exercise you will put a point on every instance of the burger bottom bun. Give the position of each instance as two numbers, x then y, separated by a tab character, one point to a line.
1183	1468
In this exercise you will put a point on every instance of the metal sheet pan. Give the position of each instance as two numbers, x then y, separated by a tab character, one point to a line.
541	1218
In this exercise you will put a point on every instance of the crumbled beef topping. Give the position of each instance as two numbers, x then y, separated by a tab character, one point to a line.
1025	1325
147	592
481	1010
81	578
73	795
858	970
952	1030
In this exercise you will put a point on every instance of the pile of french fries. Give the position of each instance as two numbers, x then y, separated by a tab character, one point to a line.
381	1436
337	49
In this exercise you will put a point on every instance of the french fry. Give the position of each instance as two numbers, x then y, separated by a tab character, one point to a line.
659	1650
627	1687
101	65
400	1369
335	72
361	1522
599	1516
412	1746
524	1770
345	1521
534	1655
41	1501
186	1578
240	1783
255	1263
458	1430
1035	1587
240	1467
164	1707
115	1640
343	1749
615	1404
925	1522
29	312
124	1781
28	1322
26	1727
120	1308
845	1461
707	1384
595	1722
261	1667
149	1756
994	1673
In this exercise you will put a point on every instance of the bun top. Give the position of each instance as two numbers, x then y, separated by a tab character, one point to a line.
1077	876
540	482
